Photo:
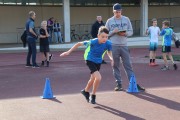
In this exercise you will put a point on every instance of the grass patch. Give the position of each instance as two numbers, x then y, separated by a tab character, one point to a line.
175	57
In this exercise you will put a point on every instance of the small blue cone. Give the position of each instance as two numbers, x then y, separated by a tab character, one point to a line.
132	85
47	93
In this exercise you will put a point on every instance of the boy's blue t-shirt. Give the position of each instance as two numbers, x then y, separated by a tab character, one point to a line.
167	36
95	50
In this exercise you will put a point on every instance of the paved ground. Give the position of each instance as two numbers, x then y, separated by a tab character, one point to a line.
22	87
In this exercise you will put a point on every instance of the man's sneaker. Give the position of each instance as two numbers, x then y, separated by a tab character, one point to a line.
50	57
92	99
28	65
118	87
86	94
35	66
104	62
175	67
140	88
165	68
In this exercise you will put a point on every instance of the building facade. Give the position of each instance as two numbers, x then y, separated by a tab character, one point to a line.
80	14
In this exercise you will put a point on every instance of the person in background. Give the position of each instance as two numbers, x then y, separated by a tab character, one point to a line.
167	33
50	23
94	31
31	40
57	31
153	32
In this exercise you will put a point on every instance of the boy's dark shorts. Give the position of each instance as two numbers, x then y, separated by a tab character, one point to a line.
93	66
166	49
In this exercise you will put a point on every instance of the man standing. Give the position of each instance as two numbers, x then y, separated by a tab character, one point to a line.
119	29
31	40
94	30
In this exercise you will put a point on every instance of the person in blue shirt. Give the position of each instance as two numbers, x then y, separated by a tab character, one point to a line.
93	57
166	44
31	40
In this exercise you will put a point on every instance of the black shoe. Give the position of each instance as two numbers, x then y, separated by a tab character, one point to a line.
104	62
47	64
28	65
50	57
42	63
92	99
35	66
118	87
140	88
175	67
86	94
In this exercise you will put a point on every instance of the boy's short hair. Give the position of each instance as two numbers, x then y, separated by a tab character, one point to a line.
103	29
154	19
166	23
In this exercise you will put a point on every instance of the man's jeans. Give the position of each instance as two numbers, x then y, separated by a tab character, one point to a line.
58	35
31	50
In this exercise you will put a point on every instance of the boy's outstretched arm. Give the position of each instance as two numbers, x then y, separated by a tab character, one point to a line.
72	49
109	53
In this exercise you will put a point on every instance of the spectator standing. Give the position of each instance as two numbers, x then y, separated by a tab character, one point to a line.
153	32
94	30
57	31
50	24
31	40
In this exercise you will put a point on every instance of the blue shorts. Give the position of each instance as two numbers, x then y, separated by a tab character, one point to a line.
153	46
166	49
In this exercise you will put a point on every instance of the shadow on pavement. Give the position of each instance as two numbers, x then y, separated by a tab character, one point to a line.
124	115
159	100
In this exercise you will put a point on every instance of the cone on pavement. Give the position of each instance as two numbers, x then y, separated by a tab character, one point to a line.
132	85
47	93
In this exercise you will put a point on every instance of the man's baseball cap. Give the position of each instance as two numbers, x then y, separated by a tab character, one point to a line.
117	7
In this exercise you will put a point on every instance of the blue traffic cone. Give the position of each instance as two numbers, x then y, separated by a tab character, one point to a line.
47	93
132	85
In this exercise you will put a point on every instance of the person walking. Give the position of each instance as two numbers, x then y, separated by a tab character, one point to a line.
94	31
93	57
153	32
166	45
44	43
120	28
31	40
